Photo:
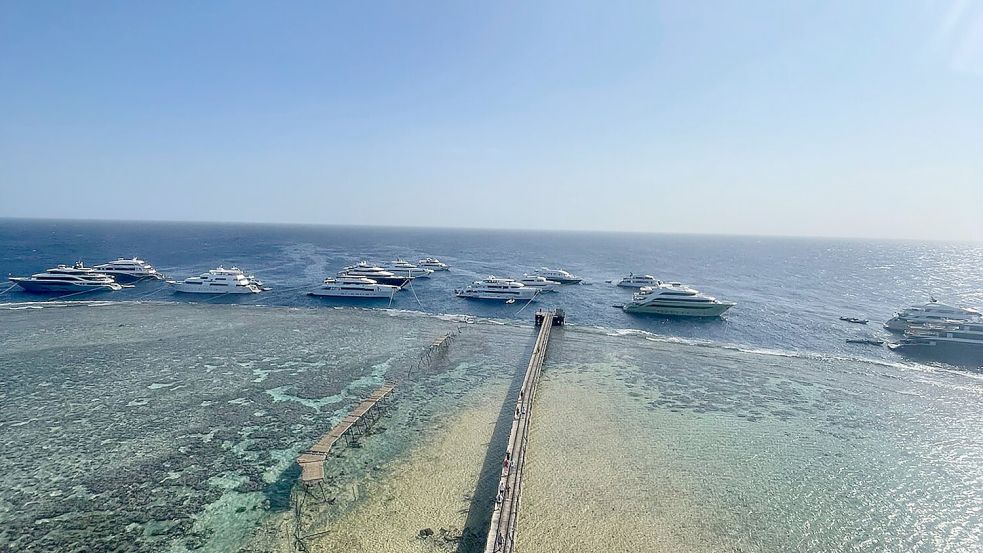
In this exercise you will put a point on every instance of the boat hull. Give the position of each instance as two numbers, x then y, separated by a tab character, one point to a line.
635	284
494	297
130	277
562	280
957	353
54	288
367	294
408	275
541	289
712	310
397	281
212	290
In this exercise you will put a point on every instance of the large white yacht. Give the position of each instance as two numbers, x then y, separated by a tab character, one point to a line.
218	281
376	273
931	312
402	267
540	283
129	270
77	278
433	264
354	287
638	281
494	288
676	300
958	342
558	275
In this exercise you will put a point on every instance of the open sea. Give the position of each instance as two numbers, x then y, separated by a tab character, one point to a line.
790	292
144	420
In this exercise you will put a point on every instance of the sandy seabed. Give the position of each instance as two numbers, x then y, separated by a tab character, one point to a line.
432	487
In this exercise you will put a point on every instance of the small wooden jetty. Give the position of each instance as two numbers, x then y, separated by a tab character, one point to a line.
357	422
501	532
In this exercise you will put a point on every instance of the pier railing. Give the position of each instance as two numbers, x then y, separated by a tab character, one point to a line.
501	532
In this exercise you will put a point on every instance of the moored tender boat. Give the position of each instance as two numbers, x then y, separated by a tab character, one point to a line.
354	287
638	281
77	278
932	312
676	300
854	320
129	270
494	288
218	281
433	264
558	275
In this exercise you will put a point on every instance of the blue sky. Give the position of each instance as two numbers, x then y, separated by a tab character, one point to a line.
788	118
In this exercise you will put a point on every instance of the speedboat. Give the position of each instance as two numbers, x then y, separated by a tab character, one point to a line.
494	288
854	320
376	273
77	278
931	312
558	275
638	281
354	287
954	342
540	283
129	270
402	267
433	264
676	300
218	281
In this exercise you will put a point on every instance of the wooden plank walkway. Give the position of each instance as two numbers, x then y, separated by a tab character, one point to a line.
312	461
501	532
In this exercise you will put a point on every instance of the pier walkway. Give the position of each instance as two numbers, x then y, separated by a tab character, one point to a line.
312	461
501	532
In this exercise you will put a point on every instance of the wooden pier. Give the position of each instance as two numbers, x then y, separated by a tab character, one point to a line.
501	532
312	461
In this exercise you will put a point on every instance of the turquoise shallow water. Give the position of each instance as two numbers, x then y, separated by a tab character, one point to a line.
169	427
730	450
172	427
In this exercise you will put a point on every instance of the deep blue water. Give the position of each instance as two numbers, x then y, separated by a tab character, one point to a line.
789	291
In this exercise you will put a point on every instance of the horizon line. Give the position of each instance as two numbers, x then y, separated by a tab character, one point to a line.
486	229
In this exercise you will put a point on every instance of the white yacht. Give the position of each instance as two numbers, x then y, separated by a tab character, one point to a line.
218	281
354	287
402	267
638	281
252	280
376	273
494	288
558	275
129	270
676	300
433	264
931	312
540	283
959	342
77	278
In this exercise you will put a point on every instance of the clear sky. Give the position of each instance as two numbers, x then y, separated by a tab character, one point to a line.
835	118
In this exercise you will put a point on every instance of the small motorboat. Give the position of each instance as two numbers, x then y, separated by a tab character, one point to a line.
865	341
855	320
